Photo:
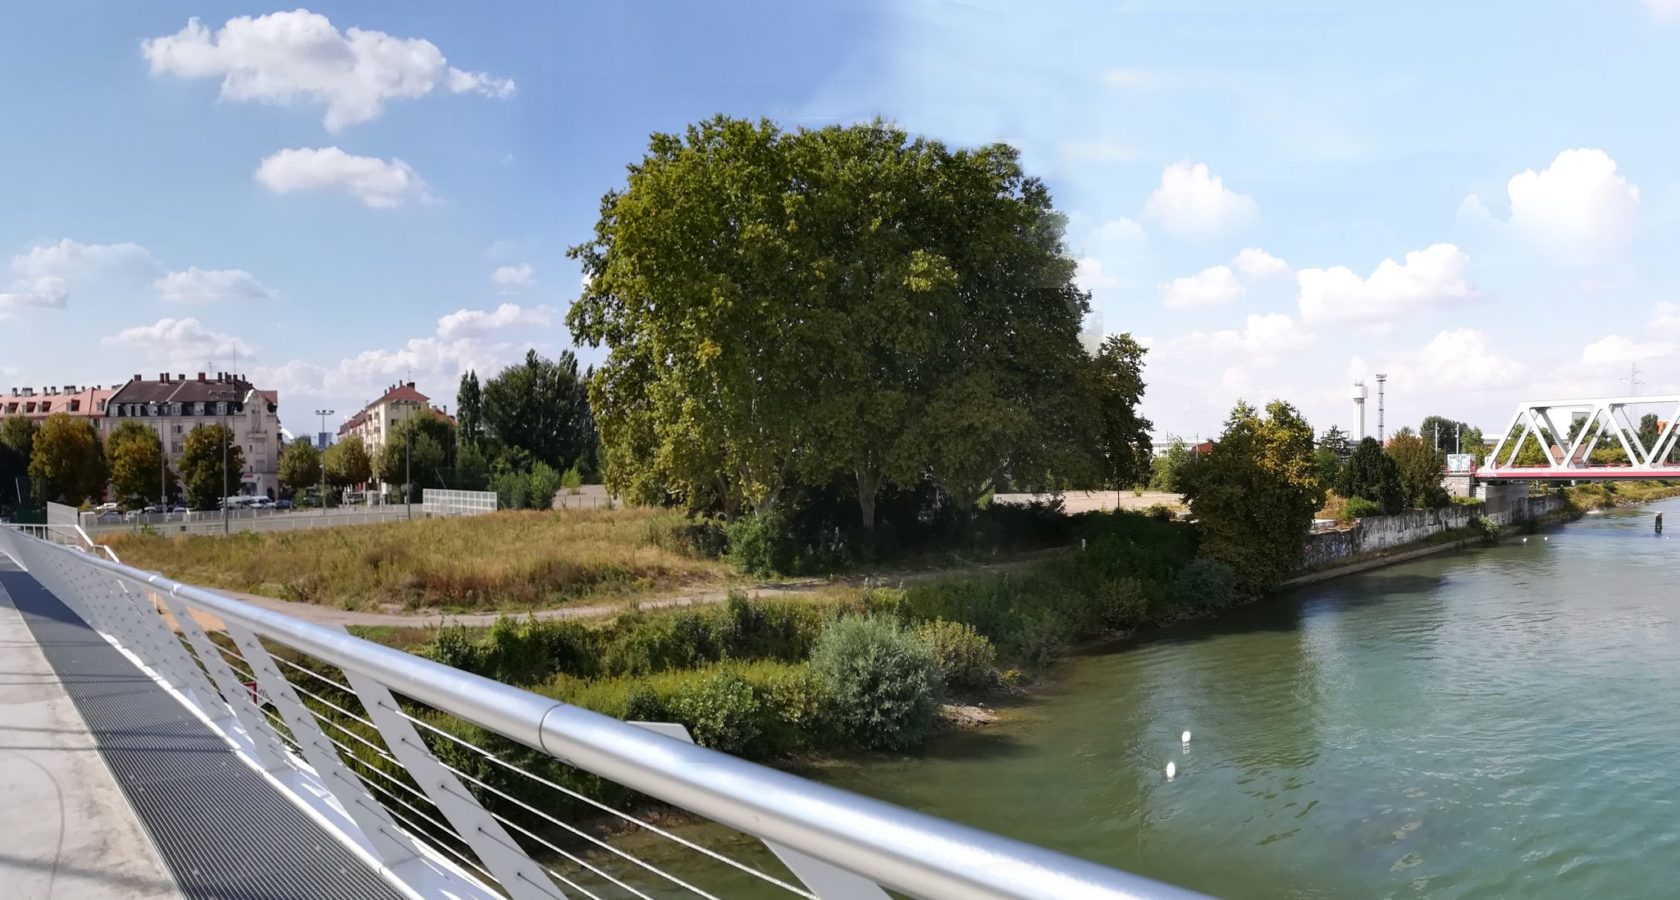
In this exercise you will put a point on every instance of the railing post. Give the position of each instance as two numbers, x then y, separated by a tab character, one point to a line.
518	874
265	743
376	825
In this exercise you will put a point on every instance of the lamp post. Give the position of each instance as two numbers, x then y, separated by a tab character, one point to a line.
163	472
226	398
323	413
408	465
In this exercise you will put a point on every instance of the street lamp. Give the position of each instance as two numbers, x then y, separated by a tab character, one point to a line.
408	465
226	398
323	413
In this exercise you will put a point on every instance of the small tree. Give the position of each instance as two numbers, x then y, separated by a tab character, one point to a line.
1255	493
347	464
1372	474
17	442
135	453
210	465
67	463
1419	469
1164	469
300	466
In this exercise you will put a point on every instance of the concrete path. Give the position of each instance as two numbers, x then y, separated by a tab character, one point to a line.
327	615
68	831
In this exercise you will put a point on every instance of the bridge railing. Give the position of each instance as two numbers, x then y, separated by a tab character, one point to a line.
1569	431
449	783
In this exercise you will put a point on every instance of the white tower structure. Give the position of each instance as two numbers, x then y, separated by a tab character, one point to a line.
1358	411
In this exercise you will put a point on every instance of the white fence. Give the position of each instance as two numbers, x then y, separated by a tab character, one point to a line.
297	520
435	502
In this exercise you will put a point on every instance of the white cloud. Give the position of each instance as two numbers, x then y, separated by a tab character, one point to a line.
477	322
1665	320
199	286
69	259
1210	287
1257	263
520	275
375	182
1663	10
1430	277
47	291
1615	352
1462	358
1088	274
1193	202
182	343
1262	340
285	57
1578	208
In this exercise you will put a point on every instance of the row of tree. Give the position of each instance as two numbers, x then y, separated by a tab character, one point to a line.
843	310
66	461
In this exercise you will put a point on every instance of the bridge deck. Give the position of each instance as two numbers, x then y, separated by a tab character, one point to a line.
220	830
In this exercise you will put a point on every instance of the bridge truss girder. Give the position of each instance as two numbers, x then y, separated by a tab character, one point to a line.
1607	423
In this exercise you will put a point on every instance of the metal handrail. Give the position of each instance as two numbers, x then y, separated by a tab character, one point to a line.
901	849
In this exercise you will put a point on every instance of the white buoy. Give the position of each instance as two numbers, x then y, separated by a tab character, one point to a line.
1184	738
1172	770
1546	538
1525	540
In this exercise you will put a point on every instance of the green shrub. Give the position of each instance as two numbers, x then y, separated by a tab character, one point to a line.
721	711
453	645
761	544
1486	528
1122	603
571	480
883	680
1206	585
966	659
1161	512
1361	507
1040	639
541	485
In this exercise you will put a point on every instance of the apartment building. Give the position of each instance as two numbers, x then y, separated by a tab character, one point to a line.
176	404
374	424
77	402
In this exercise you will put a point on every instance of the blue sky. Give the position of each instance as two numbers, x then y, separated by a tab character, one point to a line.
1477	199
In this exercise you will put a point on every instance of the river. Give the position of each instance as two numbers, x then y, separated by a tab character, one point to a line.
1484	723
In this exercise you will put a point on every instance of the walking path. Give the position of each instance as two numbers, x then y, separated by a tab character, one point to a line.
327	615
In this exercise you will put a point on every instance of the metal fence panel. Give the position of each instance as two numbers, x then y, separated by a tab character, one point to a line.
436	502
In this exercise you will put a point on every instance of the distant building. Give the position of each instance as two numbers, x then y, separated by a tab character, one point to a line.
175	405
374	424
81	403
323	440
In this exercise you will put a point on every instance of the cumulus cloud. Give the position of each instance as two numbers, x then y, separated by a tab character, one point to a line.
1193	202
1578	210
300	56
44	274
1257	263
477	322
1663	10
47	291
1088	273
1430	277
1262	340
520	275
197	286
182	343
1210	287
1665	320
1615	352
1460	358
376	182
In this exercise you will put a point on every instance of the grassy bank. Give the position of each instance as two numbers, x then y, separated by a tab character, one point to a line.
505	561
1611	494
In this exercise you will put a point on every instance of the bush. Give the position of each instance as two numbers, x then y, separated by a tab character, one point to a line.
1359	508
721	711
884	681
1040	639
1122	603
571	480
761	544
1206	585
454	646
1161	512
966	659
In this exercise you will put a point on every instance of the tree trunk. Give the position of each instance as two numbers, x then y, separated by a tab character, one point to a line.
868	486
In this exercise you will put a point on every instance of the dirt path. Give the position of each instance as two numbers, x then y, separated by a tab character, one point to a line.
327	615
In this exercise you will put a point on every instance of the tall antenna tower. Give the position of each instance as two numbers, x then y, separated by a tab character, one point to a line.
1633	379
1380	380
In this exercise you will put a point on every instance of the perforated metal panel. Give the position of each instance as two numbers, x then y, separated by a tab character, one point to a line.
223	832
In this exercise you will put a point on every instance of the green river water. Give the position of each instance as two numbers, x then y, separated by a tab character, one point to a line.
1492	722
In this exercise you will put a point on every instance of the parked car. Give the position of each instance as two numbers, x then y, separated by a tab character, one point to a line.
106	508
282	504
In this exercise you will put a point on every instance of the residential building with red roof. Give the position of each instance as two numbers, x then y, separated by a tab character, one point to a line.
174	405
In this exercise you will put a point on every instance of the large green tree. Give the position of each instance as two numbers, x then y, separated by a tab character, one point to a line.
1372	474
844	304
347	463
210	465
67	462
1419	468
300	466
135	454
1254	494
542	407
1123	444
414	454
469	410
17	443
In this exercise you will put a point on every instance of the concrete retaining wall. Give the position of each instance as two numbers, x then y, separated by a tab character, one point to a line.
1376	534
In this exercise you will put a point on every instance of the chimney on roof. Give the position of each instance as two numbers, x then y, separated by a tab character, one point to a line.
163	377
181	376
201	378
137	376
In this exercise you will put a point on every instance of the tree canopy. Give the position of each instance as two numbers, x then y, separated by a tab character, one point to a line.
135	453
1419	469
1254	494
17	443
843	305
347	463
67	462
469	410
1372	474
300	465
542	407
396	463
210	465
